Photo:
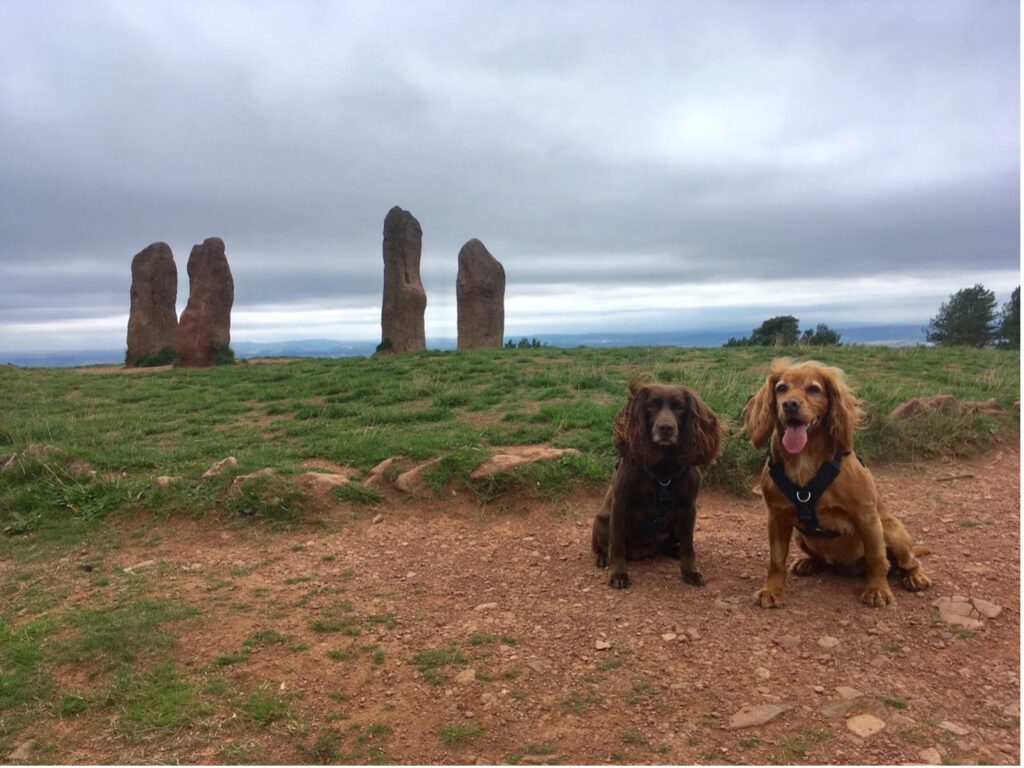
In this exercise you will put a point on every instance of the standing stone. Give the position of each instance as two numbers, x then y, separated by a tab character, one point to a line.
152	320
480	294
405	300
204	331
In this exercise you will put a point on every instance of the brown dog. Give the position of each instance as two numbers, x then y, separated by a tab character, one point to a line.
663	434
808	414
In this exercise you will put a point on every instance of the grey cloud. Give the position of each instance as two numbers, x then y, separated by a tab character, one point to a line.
586	143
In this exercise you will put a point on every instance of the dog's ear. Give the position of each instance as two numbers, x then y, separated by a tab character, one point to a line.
638	381
701	432
845	411
630	426
759	412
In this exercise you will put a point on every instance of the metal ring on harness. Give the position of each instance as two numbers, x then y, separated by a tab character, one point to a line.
801	500
665	484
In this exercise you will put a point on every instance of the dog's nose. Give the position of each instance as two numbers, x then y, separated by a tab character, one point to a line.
791	406
666	429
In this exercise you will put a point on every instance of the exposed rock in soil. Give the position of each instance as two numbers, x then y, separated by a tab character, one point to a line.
759	714
917	406
514	456
865	725
218	467
413	479
968	613
378	475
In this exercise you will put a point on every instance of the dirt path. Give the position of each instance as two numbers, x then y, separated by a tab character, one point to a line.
554	666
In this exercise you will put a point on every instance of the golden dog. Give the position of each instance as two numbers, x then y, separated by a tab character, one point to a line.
808	415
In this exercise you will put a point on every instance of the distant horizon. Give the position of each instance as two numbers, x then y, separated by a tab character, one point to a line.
896	335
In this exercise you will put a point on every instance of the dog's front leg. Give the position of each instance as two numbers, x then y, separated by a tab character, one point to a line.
780	531
684	531
619	579
599	532
869	527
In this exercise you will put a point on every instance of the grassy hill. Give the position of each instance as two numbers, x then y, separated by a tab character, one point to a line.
120	642
359	411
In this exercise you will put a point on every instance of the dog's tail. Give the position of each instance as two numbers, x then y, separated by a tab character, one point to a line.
921	550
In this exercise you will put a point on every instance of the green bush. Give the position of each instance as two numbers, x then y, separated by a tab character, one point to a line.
222	355
165	356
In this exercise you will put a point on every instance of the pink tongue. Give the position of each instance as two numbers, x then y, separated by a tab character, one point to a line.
795	438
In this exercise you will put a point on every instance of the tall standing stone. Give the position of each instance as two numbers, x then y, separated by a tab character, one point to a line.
405	300
480	295
152	319
204	331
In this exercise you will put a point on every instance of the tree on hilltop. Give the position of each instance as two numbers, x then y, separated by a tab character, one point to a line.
1009	322
968	319
821	336
782	330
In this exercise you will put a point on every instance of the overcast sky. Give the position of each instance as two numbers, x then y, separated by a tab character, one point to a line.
634	165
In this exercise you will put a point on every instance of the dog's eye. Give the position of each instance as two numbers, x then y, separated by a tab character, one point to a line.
781	387
813	389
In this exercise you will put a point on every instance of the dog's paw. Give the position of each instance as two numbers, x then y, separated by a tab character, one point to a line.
694	578
877	597
805	566
601	561
768	598
915	581
619	581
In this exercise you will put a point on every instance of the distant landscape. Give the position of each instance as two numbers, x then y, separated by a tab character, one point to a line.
875	335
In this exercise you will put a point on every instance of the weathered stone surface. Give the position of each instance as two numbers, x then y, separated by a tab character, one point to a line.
480	294
23	753
34	451
985	608
152	319
954	728
205	325
983	406
514	456
789	642
959	611
378	476
325	479
217	467
919	405
405	299
751	716
413	480
865	725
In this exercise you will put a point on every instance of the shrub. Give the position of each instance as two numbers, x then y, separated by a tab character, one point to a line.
222	355
165	356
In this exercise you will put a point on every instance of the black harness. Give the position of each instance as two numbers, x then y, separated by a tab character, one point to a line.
664	474
805	498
